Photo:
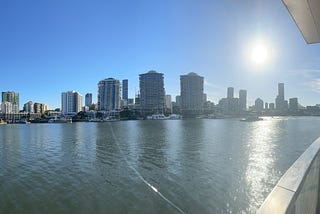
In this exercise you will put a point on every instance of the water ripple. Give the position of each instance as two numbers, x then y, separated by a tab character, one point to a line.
201	166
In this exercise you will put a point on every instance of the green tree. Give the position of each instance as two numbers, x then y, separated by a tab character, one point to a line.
81	115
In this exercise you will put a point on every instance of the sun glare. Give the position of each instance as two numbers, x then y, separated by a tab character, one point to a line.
259	54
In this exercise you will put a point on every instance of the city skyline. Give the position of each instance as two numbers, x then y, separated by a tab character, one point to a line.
191	87
52	47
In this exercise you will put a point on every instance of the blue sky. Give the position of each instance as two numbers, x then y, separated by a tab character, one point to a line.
47	47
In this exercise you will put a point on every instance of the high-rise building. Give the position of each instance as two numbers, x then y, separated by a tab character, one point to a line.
130	101
37	108
6	108
151	93
46	107
178	100
271	106
281	90
232	105
71	102
258	104
28	107
88	99
40	108
13	98
191	91
204	98
285	105
168	103
280	102
266	106
137	102
230	92
293	104
125	89
109	94
229	106
243	100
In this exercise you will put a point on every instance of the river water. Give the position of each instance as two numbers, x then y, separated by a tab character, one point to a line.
171	166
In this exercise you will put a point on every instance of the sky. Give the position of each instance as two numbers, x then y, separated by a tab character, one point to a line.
49	47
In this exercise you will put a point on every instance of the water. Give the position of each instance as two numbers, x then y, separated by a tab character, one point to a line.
190	166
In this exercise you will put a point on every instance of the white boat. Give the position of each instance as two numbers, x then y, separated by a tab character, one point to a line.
95	120
2	122
110	119
251	118
156	117
175	117
57	119
22	122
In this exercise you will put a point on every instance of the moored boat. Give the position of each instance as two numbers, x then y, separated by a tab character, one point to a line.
251	118
95	120
110	119
175	117
57	119
156	117
22	122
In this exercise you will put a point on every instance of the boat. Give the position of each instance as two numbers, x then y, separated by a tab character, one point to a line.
156	117
110	119
219	117
57	119
38	120
216	116
22	122
2	122
251	118
175	117
95	120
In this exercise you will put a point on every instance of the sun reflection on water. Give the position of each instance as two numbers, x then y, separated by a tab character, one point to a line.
260	174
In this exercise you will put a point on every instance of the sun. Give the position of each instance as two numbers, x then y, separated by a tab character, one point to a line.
259	54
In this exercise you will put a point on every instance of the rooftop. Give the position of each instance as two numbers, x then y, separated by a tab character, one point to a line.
192	74
152	72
